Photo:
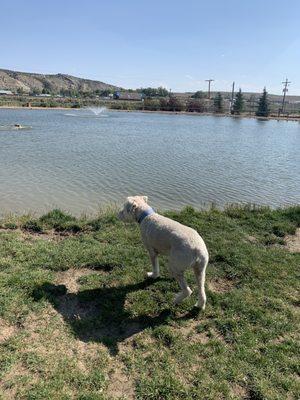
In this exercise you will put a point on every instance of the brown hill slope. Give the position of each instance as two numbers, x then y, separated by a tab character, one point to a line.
14	80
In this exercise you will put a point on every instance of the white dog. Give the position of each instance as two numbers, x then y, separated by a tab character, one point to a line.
162	235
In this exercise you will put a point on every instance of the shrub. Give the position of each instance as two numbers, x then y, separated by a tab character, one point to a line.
32	226
151	105
10	225
56	219
195	105
76	105
174	104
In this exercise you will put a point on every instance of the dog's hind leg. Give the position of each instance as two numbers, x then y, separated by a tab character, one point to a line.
199	270
155	265
185	289
176	262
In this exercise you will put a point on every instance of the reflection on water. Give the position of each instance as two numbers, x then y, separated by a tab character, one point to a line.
85	161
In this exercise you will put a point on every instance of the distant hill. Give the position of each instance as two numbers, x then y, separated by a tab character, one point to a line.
26	81
29	82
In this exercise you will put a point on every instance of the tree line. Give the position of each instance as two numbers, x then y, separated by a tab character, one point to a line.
199	103
160	99
263	108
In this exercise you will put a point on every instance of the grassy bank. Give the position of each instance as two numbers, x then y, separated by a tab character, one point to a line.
78	319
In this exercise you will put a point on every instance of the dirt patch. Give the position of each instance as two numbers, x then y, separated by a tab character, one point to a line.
239	391
32	236
69	304
48	236
6	330
120	385
251	239
295	336
9	384
48	337
221	285
131	333
292	242
192	335
70	278
47	344
201	338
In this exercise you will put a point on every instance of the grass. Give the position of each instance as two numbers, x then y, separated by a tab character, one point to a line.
78	319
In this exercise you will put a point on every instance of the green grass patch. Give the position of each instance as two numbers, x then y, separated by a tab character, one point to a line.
78	318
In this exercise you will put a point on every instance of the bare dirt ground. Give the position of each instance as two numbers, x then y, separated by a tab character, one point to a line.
293	242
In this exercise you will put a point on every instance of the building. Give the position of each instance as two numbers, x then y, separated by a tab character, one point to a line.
134	96
6	92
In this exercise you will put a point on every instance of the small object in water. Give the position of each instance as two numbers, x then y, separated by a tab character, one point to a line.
18	126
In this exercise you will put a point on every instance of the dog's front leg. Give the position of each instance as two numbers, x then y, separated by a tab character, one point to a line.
155	265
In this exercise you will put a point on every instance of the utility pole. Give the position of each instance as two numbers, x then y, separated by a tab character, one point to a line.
252	103
284	90
209	82
232	96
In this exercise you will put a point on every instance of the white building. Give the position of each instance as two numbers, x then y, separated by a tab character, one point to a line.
5	92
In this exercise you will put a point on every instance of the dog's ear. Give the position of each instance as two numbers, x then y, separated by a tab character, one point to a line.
131	205
145	198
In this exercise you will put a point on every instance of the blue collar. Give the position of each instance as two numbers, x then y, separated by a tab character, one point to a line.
145	214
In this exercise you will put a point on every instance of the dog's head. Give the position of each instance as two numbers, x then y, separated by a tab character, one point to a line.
131	208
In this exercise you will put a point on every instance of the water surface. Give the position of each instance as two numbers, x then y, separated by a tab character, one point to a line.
79	160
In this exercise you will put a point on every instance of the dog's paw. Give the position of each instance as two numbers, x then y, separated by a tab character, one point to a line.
201	306
152	275
182	295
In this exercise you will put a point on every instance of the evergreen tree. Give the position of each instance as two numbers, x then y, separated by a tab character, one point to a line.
238	105
263	109
218	103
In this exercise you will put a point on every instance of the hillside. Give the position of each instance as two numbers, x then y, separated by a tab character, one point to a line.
14	80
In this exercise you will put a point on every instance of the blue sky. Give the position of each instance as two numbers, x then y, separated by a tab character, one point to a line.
175	44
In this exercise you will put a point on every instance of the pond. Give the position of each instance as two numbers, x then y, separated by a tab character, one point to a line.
80	160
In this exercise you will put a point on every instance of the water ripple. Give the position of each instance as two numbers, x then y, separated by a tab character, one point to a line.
79	163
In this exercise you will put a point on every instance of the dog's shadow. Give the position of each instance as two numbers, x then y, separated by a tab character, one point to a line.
98	315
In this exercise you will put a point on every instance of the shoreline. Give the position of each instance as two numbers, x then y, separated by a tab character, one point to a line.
114	207
37	108
278	118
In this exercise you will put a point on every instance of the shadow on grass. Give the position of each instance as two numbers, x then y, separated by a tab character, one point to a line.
98	315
